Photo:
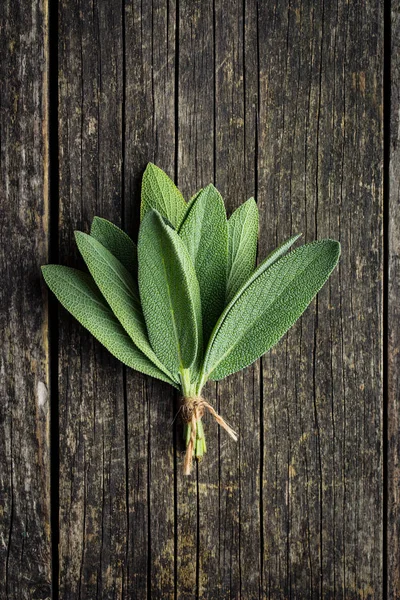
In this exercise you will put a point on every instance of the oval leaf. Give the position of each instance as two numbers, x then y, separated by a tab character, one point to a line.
120	290
169	292
160	193
78	293
117	242
242	246
205	234
267	306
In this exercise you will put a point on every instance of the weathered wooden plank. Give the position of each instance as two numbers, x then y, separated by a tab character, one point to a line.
320	172
195	170
393	363
25	545
149	136
229	168
286	74
196	510
236	105
93	508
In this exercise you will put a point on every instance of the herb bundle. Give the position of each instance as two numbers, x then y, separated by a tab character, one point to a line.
187	303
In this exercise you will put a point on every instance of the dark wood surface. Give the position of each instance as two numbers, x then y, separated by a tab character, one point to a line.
393	310
25	547
289	102
320	172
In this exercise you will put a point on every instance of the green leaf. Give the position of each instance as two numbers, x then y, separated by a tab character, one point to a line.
160	193
274	256
169	292
242	246
117	242
188	207
205	234
267	306
77	292
120	290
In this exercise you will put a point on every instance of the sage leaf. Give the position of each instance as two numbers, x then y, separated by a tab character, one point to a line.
242	246
170	294
267	306
78	293
205	234
188	207
274	256
117	242
120	290
160	193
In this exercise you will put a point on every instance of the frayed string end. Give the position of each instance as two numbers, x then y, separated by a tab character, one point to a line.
193	409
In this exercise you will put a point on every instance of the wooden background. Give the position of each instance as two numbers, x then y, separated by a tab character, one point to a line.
297	103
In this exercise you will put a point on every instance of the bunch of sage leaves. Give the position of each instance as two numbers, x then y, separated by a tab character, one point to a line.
187	303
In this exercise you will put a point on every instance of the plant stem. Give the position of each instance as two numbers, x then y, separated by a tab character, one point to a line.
190	390
200	439
202	381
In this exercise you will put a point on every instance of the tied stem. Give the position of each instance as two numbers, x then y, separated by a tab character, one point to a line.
193	409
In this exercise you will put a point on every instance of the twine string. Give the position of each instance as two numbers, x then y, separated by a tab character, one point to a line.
193	409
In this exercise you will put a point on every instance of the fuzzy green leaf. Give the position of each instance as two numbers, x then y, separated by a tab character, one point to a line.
242	246
274	256
117	242
169	292
267	306
120	290
188	207
77	292
160	193
205	234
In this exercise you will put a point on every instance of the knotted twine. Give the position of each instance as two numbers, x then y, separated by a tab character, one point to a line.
193	409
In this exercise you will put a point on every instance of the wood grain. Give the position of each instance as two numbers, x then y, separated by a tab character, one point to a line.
93	486
25	545
282	101
196	499
393	315
271	101
150	136
236	106
320	173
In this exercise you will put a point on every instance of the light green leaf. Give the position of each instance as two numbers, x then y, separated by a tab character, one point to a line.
205	234
169	292
188	207
120	290
160	193
242	246
274	256
267	306
117	242
77	292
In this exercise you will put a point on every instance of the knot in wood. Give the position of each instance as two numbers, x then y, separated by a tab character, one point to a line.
192	407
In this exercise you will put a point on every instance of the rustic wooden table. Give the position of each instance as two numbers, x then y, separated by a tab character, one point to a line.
297	103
